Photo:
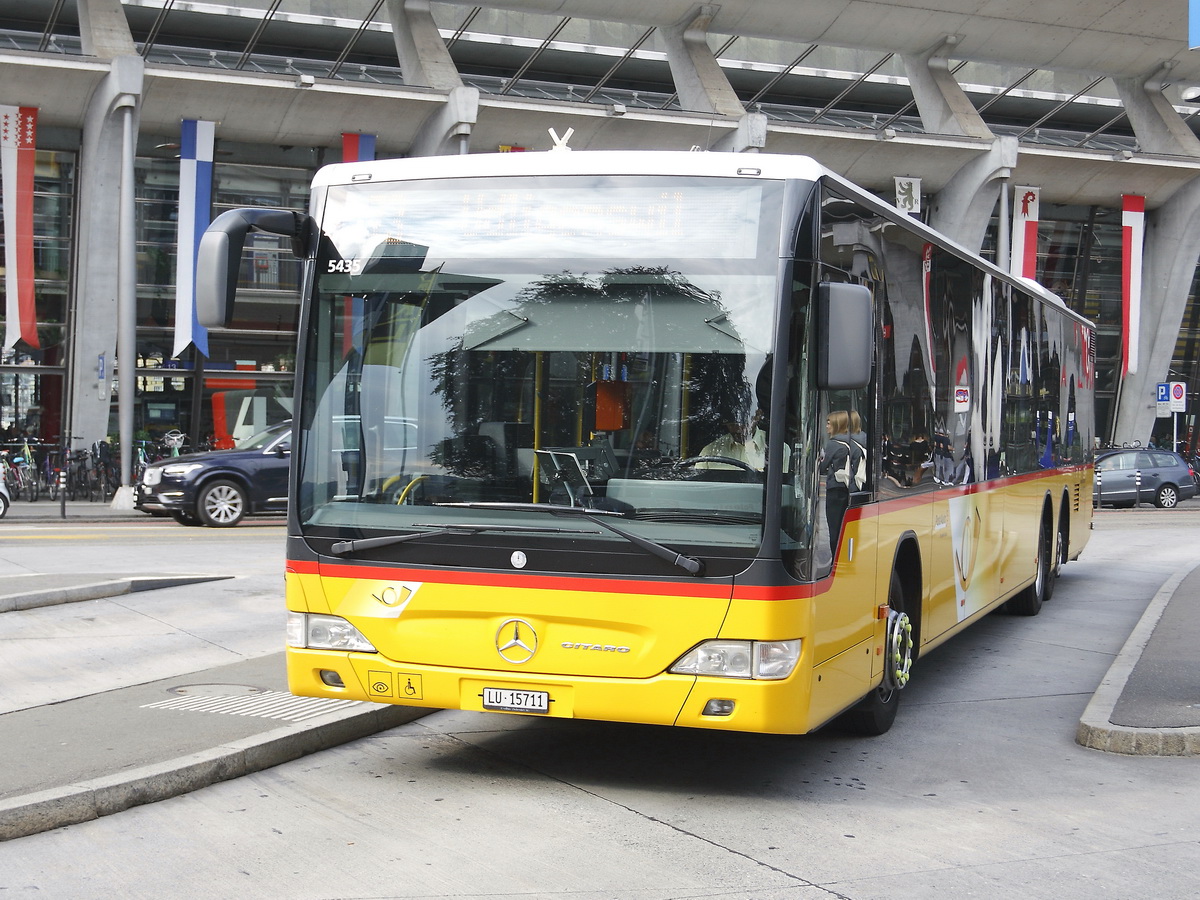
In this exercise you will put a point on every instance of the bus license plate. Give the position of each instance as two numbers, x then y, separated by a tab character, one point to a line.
516	701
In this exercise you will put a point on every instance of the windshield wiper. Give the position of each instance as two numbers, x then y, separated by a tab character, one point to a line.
689	564
705	516
341	548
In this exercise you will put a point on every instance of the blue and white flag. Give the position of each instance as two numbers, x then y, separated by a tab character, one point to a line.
195	212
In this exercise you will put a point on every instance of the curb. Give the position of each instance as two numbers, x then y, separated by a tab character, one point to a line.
87	800
1097	732
99	590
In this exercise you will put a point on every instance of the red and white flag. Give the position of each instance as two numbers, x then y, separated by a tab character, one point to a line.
18	136
1133	241
1026	212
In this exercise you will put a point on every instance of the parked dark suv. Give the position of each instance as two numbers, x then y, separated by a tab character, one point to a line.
1126	477
219	488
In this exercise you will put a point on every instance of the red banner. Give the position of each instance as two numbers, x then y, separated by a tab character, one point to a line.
1133	239
18	136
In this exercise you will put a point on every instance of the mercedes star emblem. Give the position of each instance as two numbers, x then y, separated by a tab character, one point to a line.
516	641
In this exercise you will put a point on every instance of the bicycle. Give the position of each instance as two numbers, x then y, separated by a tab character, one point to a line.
19	474
48	469
81	481
104	466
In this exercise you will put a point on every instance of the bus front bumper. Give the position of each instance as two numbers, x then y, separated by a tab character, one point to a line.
721	703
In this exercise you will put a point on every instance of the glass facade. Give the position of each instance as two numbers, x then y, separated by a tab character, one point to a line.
1079	258
246	381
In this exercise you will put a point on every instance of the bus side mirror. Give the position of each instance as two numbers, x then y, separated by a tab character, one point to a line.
220	254
845	335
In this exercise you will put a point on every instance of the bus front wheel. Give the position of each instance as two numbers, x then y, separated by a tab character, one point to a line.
875	713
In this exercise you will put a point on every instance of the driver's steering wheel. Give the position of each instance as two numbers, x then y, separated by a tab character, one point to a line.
726	460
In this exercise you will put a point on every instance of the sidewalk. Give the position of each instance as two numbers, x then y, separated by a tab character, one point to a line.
154	740
79	759
1149	702
46	510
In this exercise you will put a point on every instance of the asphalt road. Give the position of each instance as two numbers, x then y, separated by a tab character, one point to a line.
979	790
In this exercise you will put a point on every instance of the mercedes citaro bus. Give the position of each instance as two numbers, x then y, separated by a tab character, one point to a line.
616	502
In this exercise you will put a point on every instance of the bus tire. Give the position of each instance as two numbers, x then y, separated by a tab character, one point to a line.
1062	541
221	504
1029	601
876	712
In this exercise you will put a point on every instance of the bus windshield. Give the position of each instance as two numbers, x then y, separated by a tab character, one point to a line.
543	354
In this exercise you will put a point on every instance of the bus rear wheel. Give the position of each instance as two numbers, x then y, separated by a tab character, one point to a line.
1029	601
875	713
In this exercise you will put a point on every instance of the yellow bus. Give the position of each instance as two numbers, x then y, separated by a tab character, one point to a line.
577	434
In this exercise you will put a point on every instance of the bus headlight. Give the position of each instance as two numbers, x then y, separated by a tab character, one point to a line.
763	660
325	633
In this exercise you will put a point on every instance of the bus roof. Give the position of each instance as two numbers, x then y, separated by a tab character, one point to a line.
576	162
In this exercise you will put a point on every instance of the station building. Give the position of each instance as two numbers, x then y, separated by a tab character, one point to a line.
1082	139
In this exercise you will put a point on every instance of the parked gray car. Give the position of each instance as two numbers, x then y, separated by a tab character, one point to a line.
1126	477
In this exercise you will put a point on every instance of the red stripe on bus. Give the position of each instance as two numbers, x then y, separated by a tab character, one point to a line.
600	584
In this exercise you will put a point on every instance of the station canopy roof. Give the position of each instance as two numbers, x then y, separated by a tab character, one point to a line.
1041	71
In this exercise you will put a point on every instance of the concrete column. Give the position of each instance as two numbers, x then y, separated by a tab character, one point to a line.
424	59
447	130
97	247
963	208
1158	127
426	62
103	30
699	81
750	136
943	106
1168	267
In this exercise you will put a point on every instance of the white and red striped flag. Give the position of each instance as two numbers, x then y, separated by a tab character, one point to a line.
18	151
1133	241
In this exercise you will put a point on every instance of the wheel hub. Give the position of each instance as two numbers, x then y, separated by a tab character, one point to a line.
897	650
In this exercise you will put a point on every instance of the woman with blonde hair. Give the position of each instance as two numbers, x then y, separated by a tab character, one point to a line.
840	449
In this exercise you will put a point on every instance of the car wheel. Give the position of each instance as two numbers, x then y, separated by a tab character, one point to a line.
222	504
3	506
1167	497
